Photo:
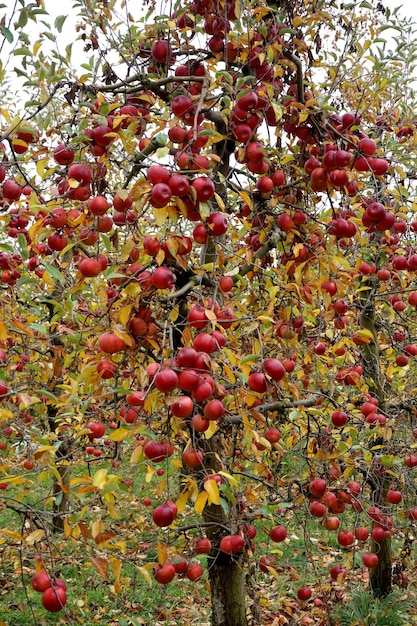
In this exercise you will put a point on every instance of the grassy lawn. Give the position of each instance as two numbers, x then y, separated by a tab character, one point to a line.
107	564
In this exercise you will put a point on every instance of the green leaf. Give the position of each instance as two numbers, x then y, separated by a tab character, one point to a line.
40	328
161	139
6	33
23	246
59	22
23	18
250	357
55	273
49	36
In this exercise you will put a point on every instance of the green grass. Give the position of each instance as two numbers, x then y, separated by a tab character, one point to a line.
303	559
363	609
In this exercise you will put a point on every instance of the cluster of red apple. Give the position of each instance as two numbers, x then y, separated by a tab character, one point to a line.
165	185
135	112
9	264
215	24
273	368
54	591
251	108
178	565
229	544
323	501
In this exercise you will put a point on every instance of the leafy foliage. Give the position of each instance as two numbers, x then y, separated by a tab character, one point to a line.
208	255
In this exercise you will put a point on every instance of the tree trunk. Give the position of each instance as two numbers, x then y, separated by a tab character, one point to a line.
61	501
381	575
227	584
226	574
60	487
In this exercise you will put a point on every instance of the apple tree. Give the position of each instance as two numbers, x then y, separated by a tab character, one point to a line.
208	255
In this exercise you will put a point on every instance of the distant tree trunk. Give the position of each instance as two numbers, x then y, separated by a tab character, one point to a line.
61	502
60	487
381	575
226	574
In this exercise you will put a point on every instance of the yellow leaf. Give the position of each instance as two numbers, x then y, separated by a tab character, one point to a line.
40	167
232	480
220	202
182	500
23	328
229	373
212	489
67	528
128	339
5	414
16	480
246	198
274	573
146	576
162	552
208	434
201	502
204	210
100	478
149	474
109	500
116	565
136	455
119	434
36	46
124	314
3	331
79	480
25	400
173	316
161	216
231	357
364	333
11	533
210	315
35	536
265	318
96	528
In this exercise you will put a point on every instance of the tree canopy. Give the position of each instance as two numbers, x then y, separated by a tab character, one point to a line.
208	336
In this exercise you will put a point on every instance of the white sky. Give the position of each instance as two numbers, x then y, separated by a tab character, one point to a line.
409	7
54	8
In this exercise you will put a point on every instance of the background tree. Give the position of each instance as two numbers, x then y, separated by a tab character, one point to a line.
208	259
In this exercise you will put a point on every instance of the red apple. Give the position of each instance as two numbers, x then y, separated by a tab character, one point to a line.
304	593
54	599
194	572
370	560
164	573
163	515
278	533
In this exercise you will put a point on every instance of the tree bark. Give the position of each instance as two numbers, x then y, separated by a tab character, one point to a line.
226	574
227	586
381	575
